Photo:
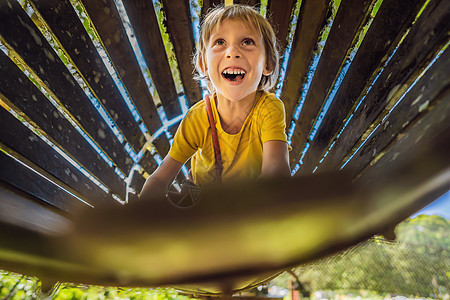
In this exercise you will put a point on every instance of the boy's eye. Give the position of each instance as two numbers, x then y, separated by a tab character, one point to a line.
248	42
219	42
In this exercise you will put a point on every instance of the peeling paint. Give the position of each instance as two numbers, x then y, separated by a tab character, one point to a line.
74	177
33	33
101	133
417	100
49	55
424	106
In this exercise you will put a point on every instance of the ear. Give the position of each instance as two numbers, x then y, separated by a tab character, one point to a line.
202	66
267	71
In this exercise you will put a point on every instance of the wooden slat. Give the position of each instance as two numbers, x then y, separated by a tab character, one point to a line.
311	20
280	17
162	145
21	177
179	27
20	33
16	90
253	3
68	29
108	24
348	21
145	24
137	182
427	35
429	132
22	210
430	88
207	4
148	163
41	154
390	22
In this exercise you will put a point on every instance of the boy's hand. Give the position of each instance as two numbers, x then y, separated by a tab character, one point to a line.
158	183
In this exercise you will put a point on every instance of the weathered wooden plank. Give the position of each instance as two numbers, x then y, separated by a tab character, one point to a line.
208	4
145	24
427	90
179	27
148	163
428	35
280	16
108	24
20	33
312	17
17	91
348	21
162	145
390	22
22	140
428	133
22	210
68	29
137	182
23	178
253	3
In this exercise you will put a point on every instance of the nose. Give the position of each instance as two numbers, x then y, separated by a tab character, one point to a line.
233	52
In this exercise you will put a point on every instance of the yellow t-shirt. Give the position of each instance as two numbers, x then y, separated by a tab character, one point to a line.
241	152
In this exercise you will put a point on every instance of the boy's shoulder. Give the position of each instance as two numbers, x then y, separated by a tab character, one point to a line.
198	110
267	99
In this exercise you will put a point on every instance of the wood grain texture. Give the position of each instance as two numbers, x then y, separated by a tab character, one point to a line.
17	91
71	34
108	24
179	27
425	38
20	33
312	18
280	16
23	178
390	22
145	24
349	20
431	88
42	155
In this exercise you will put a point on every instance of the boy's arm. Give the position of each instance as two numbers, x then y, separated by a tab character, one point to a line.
158	183
275	160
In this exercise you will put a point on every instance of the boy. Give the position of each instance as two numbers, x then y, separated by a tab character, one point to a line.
237	56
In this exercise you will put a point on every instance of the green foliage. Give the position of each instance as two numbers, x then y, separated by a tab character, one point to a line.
426	230
417	264
14	286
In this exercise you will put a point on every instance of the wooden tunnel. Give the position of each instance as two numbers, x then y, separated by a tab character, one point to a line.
85	116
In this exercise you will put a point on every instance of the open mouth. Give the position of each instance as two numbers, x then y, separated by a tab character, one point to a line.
233	75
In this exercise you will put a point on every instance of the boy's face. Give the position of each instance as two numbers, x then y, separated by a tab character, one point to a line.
235	60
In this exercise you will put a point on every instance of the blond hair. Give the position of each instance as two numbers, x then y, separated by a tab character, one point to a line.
248	15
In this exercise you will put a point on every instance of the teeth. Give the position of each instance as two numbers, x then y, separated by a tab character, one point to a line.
235	72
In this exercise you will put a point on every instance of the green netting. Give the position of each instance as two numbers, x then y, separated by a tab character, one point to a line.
383	267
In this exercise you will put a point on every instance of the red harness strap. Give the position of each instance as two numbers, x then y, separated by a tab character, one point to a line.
215	138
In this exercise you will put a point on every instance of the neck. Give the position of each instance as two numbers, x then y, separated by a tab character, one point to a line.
233	113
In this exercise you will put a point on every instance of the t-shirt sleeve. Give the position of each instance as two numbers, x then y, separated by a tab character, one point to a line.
273	126
186	140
